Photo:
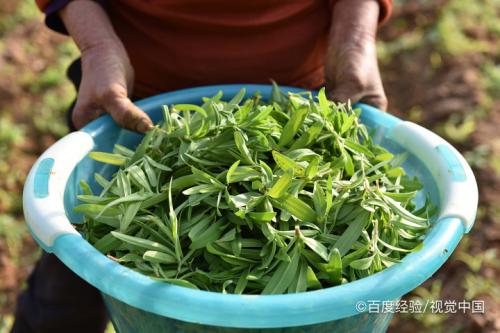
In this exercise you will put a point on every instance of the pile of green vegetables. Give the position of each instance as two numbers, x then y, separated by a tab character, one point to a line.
256	197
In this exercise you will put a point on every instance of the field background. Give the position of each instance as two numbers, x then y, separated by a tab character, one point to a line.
440	61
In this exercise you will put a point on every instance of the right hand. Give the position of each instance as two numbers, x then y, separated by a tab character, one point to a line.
107	82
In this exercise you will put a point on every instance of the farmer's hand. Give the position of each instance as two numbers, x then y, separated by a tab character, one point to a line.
107	75
351	69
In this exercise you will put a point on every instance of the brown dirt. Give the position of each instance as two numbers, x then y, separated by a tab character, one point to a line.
15	95
454	87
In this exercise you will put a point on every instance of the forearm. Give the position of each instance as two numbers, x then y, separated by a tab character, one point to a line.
351	69
89	25
354	24
107	75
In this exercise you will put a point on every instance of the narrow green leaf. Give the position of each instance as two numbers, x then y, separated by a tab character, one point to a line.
243	174
191	107
129	215
286	163
108	158
362	264
324	104
107	243
312	168
174	224
139	242
319	200
356	147
300	283
141	148
129	198
246	157
94	210
298	208
349	121
86	190
242	283
182	283
157	165
352	233
238	97
262	216
348	164
93	199
283	276
334	267
292	126
152	177
308	136
231	171
205	237
396	206
139	177
159	257
317	247
281	185
312	281
395	172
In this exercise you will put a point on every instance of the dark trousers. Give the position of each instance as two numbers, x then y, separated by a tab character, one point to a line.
56	300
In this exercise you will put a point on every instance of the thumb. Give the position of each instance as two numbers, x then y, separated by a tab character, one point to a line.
127	115
374	97
84	113
377	100
344	93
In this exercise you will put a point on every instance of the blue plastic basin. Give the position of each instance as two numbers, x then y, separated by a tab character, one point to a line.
136	303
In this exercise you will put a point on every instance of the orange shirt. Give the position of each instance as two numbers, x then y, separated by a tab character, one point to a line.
175	44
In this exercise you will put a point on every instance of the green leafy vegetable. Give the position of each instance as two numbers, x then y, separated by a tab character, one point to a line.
255	197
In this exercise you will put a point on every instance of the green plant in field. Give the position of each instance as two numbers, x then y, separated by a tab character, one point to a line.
50	112
10	202
13	233
495	164
457	127
478	157
50	77
476	285
408	42
432	322
58	93
54	76
458	18
475	262
248	196
491	79
26	10
10	133
453	33
6	322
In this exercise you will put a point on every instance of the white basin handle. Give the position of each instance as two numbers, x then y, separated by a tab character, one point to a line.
43	196
456	183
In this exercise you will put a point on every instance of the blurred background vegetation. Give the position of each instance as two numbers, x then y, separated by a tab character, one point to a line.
440	61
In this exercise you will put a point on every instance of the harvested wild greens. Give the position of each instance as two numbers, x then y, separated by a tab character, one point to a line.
255	197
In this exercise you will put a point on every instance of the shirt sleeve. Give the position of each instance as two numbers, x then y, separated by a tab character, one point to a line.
385	11
54	22
51	9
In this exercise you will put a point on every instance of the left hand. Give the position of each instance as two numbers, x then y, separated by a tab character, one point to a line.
351	68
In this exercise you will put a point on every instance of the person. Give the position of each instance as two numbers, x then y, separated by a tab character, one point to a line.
133	49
